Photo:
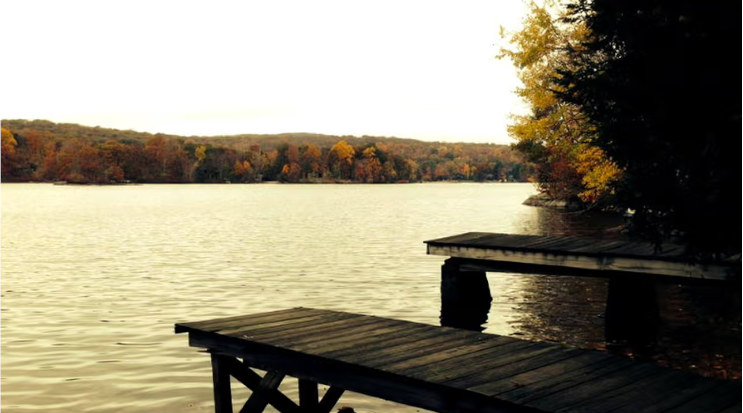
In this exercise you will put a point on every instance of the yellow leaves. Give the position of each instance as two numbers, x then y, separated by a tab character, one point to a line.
343	151
8	152
200	154
556	135
536	40
599	173
539	51
370	152
8	142
341	159
313	152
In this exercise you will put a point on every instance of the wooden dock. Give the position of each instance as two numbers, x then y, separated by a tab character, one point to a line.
436	368
482	251
632	268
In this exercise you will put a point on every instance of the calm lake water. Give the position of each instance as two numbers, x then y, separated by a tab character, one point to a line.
93	279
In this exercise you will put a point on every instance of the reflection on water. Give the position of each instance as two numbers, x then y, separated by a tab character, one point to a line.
592	224
689	327
559	309
700	329
93	279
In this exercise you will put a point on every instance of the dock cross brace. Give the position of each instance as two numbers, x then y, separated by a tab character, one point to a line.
265	389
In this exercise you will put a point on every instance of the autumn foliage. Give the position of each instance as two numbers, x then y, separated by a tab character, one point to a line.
46	151
637	103
556	135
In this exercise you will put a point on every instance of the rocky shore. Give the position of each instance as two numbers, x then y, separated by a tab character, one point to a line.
543	200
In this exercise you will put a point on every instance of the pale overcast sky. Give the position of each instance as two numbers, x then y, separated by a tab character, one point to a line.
415	69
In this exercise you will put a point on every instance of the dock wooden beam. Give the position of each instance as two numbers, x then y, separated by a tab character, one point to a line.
579	256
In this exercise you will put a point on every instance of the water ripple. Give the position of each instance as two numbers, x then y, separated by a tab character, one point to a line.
94	277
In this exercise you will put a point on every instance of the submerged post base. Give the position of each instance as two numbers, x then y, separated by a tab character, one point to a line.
465	297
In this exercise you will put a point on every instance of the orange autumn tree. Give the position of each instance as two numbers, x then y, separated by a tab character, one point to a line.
9	145
79	162
311	160
244	171
370	166
555	135
290	172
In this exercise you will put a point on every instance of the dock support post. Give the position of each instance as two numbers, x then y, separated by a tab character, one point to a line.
632	313
465	297
265	390
222	389
308	396
329	400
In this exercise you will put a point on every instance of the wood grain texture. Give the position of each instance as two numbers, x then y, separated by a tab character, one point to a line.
441	369
606	257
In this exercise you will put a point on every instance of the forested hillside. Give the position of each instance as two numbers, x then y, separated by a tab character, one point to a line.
46	151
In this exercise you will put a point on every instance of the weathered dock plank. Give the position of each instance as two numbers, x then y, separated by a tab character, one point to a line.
480	251
436	368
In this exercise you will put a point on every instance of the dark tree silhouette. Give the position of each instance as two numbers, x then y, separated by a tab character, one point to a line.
662	84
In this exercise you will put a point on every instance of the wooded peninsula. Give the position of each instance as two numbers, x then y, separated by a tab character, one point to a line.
636	106
43	151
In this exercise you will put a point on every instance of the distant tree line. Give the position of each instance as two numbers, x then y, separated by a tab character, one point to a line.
46	151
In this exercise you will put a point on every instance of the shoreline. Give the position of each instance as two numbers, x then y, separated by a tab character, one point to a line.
65	183
543	200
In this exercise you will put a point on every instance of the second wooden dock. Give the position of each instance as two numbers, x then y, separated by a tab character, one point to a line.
580	256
